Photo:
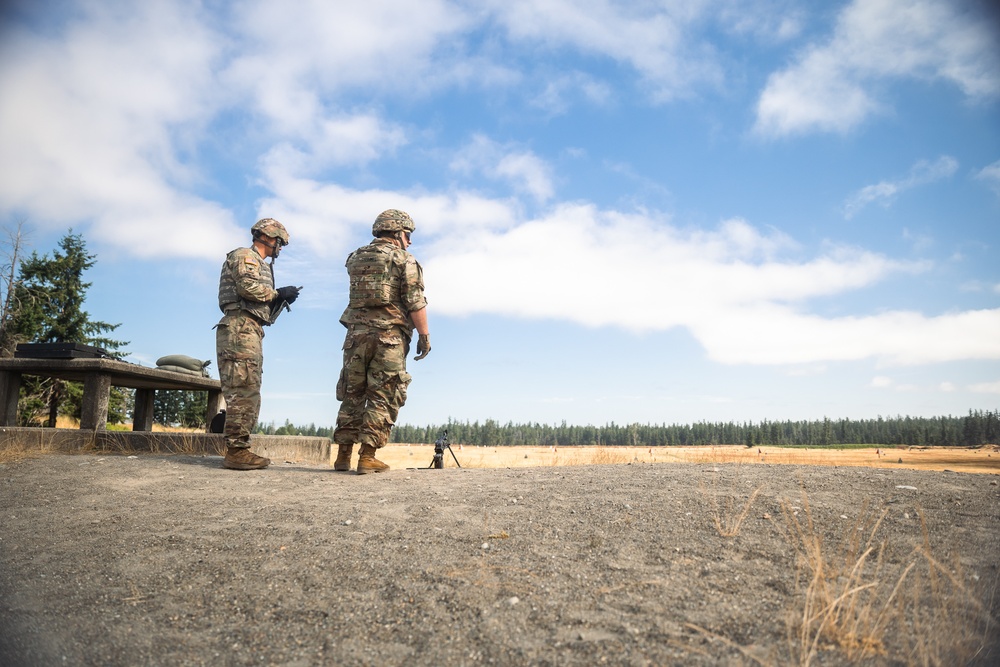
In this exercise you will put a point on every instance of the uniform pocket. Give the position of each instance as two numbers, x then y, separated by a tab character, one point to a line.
402	383
342	385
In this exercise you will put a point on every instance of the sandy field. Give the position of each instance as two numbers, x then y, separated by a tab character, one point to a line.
172	560
955	459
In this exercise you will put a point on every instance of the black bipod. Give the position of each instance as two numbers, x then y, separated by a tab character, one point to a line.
440	445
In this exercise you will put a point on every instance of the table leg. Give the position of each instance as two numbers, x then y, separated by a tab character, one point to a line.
96	392
10	389
142	415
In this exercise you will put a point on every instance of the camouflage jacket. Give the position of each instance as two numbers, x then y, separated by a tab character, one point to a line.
247	283
407	291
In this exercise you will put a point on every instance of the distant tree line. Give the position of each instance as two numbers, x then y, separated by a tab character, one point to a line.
977	428
288	428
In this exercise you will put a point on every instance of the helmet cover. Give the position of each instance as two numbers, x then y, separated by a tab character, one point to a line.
392	220
270	227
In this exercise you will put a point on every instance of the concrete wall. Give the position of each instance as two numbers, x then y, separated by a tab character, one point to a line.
279	448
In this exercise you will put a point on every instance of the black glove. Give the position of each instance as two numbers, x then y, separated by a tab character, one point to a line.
423	346
288	294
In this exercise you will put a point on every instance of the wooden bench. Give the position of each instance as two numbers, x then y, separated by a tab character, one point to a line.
98	376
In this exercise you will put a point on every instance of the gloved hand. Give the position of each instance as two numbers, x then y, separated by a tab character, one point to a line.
423	346
289	294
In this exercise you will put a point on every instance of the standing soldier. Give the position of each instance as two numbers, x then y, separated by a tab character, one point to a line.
249	302
386	304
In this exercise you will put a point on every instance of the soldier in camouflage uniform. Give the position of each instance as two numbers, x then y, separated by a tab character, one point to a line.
249	302
386	304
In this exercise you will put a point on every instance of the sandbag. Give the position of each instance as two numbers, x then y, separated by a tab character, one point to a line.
184	361
179	369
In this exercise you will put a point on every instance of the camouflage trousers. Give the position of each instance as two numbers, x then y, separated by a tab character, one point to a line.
372	385
238	339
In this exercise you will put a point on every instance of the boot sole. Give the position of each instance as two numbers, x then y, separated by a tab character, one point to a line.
243	466
342	468
365	471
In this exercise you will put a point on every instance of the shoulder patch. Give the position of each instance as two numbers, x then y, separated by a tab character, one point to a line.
250	259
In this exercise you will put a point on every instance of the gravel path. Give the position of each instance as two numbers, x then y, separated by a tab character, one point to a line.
172	560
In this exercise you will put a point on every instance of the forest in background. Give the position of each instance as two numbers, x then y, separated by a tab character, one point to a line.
979	427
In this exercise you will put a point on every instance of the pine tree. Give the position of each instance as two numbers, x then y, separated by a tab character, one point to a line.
50	294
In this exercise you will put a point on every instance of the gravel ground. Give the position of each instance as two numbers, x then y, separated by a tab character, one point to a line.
172	560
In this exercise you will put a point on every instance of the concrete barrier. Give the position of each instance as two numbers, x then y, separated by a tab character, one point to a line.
278	448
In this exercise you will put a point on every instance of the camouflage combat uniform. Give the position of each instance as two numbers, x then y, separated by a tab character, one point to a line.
373	381
246	289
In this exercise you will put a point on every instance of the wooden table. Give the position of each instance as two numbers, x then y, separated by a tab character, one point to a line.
98	376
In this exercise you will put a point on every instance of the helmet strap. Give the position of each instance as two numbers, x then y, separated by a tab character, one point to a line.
270	242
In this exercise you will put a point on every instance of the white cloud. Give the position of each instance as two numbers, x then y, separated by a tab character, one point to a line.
884	192
655	40
94	122
986	387
990	175
562	89
947	387
769	20
524	170
881	382
295	58
728	288
830	87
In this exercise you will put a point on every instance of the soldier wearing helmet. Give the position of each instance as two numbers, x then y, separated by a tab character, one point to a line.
249	302
386	304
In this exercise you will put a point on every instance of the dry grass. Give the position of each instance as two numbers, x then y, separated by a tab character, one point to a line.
13	450
981	460
853	599
728	516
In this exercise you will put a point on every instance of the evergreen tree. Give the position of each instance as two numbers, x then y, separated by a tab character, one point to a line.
180	408
50	294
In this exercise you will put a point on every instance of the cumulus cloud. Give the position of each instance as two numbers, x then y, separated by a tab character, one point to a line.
295	58
885	192
986	387
730	288
104	116
522	169
94	122
830	87
653	39
990	175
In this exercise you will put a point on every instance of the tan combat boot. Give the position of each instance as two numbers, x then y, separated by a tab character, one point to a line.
368	463
241	458
343	462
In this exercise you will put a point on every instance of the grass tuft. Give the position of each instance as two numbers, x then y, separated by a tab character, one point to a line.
855	599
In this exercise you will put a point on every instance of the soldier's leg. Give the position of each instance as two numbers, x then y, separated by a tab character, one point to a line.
387	384
352	388
242	400
238	342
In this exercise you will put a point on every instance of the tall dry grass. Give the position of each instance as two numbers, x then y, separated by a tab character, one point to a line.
853	598
729	514
13	450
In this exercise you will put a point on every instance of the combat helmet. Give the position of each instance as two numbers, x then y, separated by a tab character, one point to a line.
393	220
270	227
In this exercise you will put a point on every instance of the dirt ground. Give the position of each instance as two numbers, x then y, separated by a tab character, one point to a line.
172	560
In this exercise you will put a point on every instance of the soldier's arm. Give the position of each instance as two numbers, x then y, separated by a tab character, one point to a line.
419	319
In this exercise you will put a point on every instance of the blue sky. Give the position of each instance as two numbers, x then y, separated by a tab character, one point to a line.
656	212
